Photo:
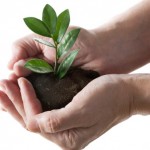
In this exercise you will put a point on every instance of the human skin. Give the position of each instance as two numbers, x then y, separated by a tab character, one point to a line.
109	98
119	47
125	38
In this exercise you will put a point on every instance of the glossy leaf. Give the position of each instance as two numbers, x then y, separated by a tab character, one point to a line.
68	42
37	26
44	42
66	63
49	17
38	66
62	25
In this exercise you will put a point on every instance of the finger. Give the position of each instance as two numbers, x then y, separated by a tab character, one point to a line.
22	49
74	115
19	68
8	106
56	120
17	54
26	47
13	93
31	104
1	108
13	77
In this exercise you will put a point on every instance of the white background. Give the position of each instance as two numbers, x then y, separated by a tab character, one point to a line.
131	134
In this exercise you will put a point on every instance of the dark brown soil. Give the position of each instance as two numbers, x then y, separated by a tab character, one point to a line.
56	93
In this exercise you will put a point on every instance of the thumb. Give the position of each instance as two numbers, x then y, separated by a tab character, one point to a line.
19	68
56	120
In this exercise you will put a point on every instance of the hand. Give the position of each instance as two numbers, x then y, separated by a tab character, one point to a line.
105	50
26	48
106	98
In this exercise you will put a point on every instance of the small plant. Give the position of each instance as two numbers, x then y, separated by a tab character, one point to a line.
51	87
55	28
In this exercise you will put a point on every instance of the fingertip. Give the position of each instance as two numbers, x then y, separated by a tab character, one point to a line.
23	82
20	81
19	68
26	88
32	125
10	65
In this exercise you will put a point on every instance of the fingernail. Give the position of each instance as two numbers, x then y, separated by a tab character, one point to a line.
20	81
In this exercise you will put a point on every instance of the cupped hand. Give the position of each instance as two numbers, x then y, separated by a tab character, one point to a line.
103	103
26	48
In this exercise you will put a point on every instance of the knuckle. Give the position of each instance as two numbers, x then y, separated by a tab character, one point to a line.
18	50
4	81
6	85
3	84
52	124
16	68
15	47
4	103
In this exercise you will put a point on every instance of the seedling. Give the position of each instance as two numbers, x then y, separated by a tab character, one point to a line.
54	27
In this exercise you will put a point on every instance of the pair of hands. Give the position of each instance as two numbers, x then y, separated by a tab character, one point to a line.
73	127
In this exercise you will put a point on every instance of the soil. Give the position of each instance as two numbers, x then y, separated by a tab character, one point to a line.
55	93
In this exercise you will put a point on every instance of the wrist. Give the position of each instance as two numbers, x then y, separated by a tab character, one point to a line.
125	92
119	85
133	92
126	39
119	48
139	85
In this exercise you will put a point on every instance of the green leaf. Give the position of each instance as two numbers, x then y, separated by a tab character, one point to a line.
66	63
38	66
62	25
68	42
49	17
44	42
37	26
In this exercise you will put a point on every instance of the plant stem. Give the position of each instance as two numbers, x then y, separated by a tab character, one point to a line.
56	59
